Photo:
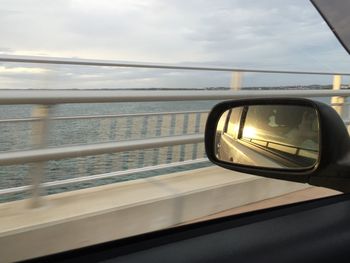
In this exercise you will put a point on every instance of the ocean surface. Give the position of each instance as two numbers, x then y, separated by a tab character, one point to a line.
20	136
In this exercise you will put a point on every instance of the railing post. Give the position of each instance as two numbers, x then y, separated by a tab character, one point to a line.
339	101
236	80
39	140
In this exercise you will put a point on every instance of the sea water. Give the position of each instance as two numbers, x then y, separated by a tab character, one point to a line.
18	136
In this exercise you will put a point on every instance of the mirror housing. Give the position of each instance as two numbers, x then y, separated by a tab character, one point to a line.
333	167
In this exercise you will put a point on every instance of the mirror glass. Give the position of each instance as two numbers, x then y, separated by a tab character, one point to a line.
273	136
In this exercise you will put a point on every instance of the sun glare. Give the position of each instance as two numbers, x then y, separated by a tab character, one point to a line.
249	132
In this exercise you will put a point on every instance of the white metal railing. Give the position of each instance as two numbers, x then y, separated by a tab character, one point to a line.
110	63
104	176
52	97
47	99
40	155
89	117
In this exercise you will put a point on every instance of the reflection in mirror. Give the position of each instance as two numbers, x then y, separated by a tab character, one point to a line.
274	136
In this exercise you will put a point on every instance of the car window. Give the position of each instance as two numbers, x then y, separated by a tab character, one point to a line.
299	130
232	128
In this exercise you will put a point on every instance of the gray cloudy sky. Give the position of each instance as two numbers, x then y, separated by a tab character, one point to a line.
272	34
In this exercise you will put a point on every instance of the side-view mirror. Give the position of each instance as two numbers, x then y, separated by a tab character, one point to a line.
296	140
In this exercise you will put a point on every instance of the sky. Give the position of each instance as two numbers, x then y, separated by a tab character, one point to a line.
264	34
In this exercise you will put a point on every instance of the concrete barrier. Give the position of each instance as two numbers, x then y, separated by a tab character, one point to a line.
85	217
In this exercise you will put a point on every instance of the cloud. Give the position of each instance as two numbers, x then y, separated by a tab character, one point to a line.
21	70
269	34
